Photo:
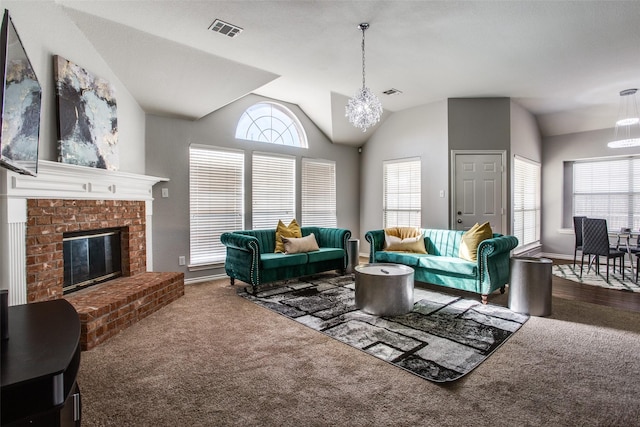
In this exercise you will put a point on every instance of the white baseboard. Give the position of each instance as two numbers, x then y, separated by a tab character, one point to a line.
205	279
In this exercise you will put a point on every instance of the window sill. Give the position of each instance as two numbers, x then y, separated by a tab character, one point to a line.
531	247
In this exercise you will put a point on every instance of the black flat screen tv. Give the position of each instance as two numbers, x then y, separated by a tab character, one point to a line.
21	103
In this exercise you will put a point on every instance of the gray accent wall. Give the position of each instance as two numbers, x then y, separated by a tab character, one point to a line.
479	123
167	154
555	151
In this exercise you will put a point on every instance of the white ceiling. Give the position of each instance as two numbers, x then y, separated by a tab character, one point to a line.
565	61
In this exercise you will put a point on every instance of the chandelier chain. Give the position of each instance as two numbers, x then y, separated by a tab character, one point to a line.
363	50
364	109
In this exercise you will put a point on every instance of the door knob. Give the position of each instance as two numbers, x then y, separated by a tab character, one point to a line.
459	221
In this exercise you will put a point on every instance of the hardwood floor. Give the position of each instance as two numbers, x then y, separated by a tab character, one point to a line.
563	288
568	289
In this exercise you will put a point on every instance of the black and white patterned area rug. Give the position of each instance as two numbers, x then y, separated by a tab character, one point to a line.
442	339
566	271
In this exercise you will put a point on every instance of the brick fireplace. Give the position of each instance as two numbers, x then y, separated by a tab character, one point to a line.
49	219
35	213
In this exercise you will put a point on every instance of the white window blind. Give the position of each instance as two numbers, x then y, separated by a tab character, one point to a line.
526	201
608	189
215	201
319	193
273	190
401	193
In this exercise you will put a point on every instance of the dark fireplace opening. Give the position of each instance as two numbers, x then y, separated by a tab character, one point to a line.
90	257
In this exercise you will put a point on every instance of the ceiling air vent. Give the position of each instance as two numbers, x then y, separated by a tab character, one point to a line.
225	28
392	92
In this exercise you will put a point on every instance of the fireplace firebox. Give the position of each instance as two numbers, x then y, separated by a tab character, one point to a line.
91	257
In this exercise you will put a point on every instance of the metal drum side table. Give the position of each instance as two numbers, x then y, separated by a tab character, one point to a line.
353	254
530	285
384	289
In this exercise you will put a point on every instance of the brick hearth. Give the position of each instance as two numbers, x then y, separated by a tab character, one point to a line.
107	308
48	219
110	307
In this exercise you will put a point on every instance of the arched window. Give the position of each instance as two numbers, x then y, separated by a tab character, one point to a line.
272	123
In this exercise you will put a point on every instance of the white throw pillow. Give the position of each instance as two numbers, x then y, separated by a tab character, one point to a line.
296	245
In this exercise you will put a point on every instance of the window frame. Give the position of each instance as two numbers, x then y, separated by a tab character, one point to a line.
256	124
272	188
205	247
414	214
318	194
621	190
527	199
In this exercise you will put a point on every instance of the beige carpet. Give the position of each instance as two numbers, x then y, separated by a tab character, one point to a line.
212	358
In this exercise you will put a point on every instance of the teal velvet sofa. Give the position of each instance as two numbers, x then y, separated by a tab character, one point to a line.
442	265
251	258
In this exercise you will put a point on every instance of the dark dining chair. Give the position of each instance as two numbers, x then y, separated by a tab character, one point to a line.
595	241
635	249
577	229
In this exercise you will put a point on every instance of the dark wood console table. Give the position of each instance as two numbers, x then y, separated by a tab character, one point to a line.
40	362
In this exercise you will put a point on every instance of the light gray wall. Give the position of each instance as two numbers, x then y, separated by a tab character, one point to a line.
417	132
525	135
168	156
46	30
525	142
555	151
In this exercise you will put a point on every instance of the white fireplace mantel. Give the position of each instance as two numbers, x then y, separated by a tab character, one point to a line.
64	181
59	181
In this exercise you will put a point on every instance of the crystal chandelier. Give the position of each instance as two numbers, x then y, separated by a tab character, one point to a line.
364	109
627	133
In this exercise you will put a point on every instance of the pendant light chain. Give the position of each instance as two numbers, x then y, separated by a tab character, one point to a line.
363	30
364	109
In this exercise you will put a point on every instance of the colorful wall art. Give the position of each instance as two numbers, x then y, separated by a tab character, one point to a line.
87	120
21	97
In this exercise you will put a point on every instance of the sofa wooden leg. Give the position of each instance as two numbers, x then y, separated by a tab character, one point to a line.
232	280
502	289
485	299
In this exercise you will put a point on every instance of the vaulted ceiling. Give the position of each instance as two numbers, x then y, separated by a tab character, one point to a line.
564	61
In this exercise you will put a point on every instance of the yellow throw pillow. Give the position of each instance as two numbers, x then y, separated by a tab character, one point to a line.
292	230
296	245
409	244
472	238
402	232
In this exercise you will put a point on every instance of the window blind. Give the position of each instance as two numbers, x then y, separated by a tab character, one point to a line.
401	193
608	189
273	190
215	201
526	201
319	193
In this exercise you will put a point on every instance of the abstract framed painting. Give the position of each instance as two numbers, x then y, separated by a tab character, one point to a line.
87	117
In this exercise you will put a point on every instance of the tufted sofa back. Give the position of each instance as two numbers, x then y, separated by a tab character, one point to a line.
267	237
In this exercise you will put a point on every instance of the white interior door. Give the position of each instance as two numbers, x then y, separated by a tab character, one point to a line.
479	190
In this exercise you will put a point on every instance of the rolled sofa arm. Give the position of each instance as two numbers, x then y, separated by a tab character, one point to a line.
376	243
493	261
243	257
240	241
333	237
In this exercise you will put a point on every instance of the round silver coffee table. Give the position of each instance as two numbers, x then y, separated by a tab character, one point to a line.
384	289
